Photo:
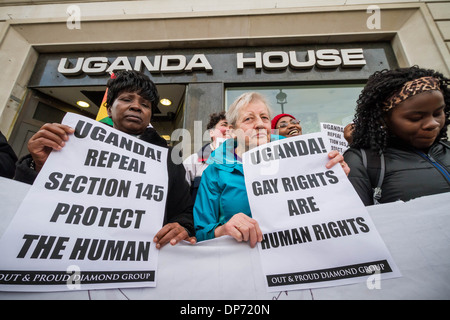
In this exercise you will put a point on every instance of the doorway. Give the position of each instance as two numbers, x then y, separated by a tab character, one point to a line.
44	105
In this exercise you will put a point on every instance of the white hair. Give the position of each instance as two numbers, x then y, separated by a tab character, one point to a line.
243	100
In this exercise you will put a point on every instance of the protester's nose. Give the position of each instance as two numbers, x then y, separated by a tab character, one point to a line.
135	105
431	123
259	123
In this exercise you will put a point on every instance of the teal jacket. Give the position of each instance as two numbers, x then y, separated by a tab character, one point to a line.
222	192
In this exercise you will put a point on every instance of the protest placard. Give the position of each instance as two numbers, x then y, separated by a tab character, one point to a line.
335	135
316	230
89	219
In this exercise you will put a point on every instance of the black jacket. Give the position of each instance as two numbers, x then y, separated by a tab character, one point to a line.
409	173
7	158
179	205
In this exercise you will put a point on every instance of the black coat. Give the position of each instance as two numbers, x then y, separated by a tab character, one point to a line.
7	158
179	204
409	173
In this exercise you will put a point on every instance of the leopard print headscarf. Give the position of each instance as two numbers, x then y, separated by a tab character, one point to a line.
410	89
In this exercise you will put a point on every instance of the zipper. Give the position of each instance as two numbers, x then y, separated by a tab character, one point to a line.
436	164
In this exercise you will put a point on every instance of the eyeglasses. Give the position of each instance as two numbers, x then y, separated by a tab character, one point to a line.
284	124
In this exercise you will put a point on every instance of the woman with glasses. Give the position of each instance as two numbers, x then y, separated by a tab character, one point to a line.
287	125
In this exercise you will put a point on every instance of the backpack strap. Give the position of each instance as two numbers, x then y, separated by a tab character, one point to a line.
445	144
380	164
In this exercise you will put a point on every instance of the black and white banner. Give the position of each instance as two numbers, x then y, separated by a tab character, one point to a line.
92	213
316	230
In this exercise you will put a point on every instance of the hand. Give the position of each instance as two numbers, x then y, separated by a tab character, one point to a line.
173	233
242	228
51	136
336	157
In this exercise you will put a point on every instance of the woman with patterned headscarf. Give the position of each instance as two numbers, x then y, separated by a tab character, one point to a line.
400	148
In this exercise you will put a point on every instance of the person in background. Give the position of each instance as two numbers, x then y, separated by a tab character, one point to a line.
195	164
131	98
8	158
287	125
402	116
222	207
348	132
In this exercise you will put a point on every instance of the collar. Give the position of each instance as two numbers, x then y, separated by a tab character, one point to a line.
204	153
224	156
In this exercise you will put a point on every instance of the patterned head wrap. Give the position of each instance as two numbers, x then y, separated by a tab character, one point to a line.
410	89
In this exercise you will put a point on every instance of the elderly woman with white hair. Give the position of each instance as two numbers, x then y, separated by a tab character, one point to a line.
222	206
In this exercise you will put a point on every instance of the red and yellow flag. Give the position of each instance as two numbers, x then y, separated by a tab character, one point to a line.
102	114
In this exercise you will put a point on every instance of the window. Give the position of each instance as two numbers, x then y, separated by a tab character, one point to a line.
310	104
47	113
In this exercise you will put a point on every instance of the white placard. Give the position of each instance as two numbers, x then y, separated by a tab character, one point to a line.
89	219
316	230
335	135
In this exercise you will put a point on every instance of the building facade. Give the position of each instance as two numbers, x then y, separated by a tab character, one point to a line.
310	58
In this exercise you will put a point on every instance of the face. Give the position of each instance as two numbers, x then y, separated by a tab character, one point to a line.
253	125
130	113
220	130
418	120
288	127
